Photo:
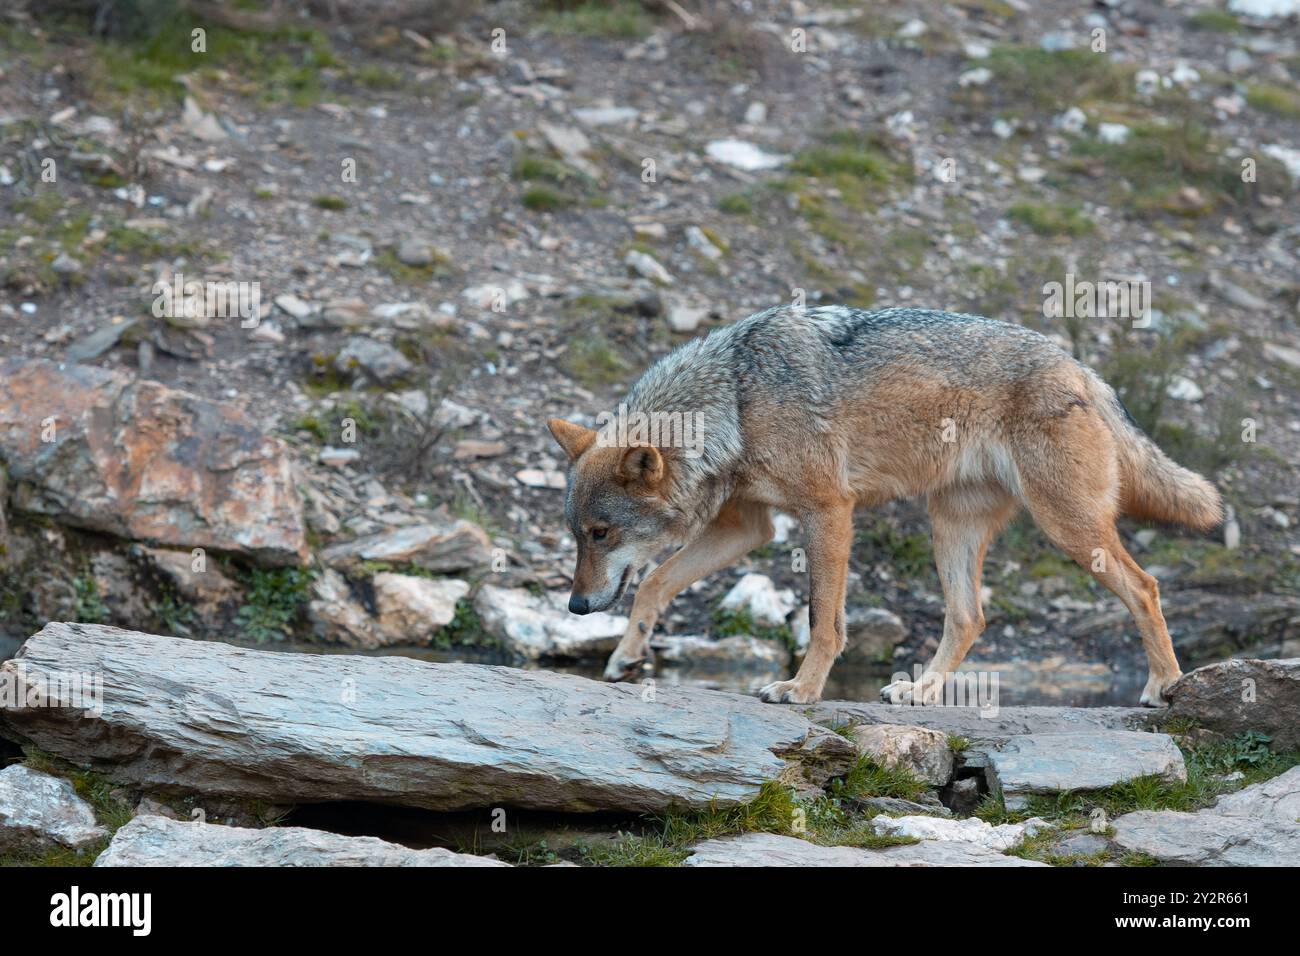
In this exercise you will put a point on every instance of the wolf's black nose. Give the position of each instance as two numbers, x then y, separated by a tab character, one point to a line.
578	605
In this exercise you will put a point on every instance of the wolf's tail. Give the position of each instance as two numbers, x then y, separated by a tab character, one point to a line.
1152	486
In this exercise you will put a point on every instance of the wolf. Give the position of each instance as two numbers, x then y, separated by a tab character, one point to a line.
820	411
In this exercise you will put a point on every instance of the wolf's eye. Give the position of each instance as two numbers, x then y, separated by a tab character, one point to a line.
598	534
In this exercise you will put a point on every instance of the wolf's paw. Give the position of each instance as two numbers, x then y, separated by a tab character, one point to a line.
907	692
787	692
1156	692
627	667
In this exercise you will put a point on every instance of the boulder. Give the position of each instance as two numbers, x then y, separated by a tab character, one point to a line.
159	841
757	596
1235	696
741	651
97	449
984	728
411	610
1053	763
534	627
922	752
377	361
1256	826
770	849
39	812
201	717
443	546
337	617
1000	838
872	633
207	589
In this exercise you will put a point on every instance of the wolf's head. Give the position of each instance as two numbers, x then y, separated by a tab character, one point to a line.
616	509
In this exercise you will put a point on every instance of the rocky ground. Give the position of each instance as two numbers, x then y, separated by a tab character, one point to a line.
237	757
456	233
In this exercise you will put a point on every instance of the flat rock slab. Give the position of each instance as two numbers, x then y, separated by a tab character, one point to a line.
1235	696
1258	825
986	729
186	716
158	841
137	459
1053	763
42	812
770	849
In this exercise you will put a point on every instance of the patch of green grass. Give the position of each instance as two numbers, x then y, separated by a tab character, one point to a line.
869	779
273	602
1220	21
283	64
1044	79
593	361
174	615
465	630
330	203
910	555
729	623
848	154
1052	219
736	204
551	184
1155	167
89	608
545	199
1274	98
610	19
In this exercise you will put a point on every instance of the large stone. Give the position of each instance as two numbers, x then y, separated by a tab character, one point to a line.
770	849
377	361
158	841
337	617
923	752
411	610
757	596
204	586
1000	838
139	460
1053	763
871	634
740	651
183	716
440	546
1235	696
1256	826
39	812
534	627
985	729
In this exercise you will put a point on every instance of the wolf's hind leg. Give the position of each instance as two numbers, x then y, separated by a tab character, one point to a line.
964	522
1073	500
739	528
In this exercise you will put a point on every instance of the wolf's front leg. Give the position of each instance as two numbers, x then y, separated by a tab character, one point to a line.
739	527
830	539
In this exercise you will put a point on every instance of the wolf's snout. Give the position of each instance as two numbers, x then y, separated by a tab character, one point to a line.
578	605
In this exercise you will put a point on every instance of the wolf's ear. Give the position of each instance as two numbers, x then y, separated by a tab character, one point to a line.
642	464
574	439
